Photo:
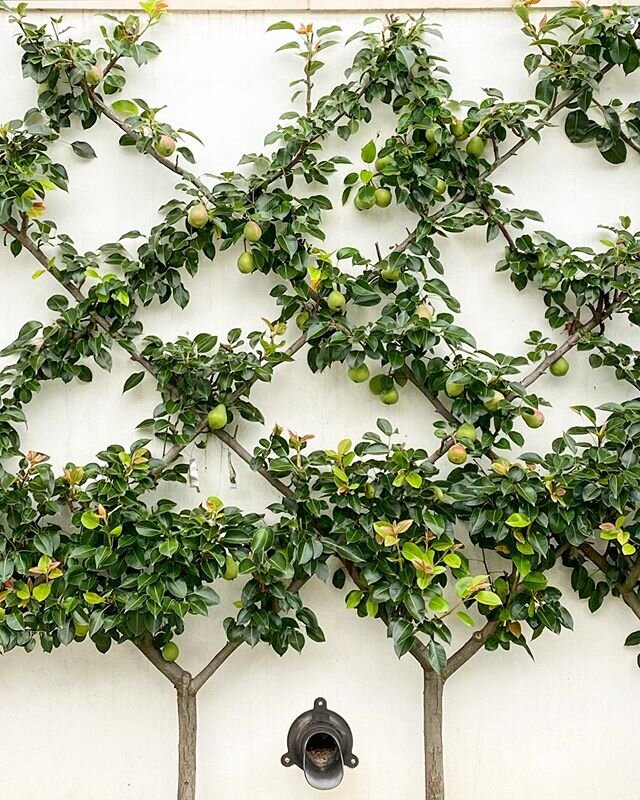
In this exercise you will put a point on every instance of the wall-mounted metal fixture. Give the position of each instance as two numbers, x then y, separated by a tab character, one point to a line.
321	743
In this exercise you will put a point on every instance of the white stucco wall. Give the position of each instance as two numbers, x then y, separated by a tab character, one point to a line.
85	725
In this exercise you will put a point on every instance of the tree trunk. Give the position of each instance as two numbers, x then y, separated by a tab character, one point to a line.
433	758
187	740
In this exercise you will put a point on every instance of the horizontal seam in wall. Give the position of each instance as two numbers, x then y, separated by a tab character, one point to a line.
335	6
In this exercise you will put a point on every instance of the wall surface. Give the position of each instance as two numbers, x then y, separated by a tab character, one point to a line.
85	725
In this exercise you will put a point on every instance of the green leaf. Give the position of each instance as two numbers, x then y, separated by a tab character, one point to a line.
466	619
518	521
436	656
83	149
90	520
283	25
488	598
368	152
126	108
535	582
93	599
632	639
133	380
42	591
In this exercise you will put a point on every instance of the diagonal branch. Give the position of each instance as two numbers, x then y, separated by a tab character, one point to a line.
627	591
475	643
170	669
199	680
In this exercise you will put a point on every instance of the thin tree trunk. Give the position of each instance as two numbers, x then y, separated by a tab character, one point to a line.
433	757
187	739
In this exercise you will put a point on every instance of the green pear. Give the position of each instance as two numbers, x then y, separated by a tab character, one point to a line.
376	384
458	130
457	454
93	76
383	162
534	420
359	374
362	205
390	397
302	320
252	232
501	466
165	146
246	263
197	215
476	145
231	568
453	389
170	652
441	186
382	197
336	300
493	402
217	418
560	367
467	431
431	133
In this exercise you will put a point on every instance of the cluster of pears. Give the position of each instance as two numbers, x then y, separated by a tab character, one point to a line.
457	453
382	196
383	386
475	145
252	233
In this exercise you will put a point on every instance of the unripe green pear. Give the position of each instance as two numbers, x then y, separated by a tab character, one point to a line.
389	273
457	454
165	146
359	374
382	162
431	133
441	186
170	652
336	300
390	397
560	367
362	205
252	232
475	146
501	466
382	197
376	384
197	215
493	402
534	420
302	320
369	491
217	418
246	263
458	130
432	149
231	568
467	431
93	75
453	389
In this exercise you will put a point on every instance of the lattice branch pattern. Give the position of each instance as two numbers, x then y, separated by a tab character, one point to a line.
122	569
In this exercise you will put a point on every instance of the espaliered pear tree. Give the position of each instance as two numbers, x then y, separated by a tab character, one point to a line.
429	551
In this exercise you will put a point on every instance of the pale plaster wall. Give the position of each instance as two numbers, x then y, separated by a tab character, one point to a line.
76	724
